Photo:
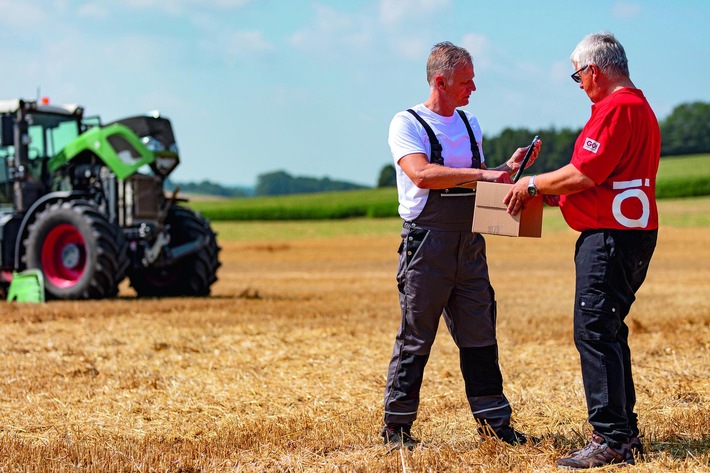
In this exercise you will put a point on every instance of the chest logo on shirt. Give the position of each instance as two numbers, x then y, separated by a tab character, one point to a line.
591	145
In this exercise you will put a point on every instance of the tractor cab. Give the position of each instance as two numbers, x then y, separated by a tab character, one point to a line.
31	133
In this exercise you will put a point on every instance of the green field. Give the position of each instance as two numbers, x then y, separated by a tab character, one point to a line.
683	166
678	177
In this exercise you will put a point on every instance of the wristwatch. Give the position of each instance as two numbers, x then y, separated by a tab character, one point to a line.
532	190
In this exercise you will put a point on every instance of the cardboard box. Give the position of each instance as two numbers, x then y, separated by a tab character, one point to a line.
490	215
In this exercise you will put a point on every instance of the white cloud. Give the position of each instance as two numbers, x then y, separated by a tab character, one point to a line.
626	10
92	10
332	31
230	46
20	14
413	47
479	48
238	43
179	7
395	11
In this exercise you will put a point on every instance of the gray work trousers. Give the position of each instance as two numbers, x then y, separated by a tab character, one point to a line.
445	272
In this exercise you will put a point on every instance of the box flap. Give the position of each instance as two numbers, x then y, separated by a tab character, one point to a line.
491	194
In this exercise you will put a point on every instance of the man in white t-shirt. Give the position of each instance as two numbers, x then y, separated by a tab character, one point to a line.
442	265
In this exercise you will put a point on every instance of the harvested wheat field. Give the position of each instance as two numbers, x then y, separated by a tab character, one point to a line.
283	369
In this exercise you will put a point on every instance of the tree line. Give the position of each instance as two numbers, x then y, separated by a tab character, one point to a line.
272	183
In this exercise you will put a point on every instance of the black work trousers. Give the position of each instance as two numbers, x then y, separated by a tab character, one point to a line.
610	267
445	272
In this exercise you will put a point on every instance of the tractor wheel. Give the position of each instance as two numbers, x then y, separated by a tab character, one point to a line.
191	276
81	254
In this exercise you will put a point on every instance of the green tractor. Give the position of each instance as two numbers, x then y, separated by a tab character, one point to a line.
85	204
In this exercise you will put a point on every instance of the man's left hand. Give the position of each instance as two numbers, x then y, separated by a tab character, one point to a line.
517	157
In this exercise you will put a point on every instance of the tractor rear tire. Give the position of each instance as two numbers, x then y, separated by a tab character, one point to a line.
80	253
191	276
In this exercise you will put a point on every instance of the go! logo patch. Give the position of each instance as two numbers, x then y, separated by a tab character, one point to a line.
591	145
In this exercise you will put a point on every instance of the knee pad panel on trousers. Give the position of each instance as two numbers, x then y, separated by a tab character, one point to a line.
481	372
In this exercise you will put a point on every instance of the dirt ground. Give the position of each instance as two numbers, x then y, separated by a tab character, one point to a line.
283	368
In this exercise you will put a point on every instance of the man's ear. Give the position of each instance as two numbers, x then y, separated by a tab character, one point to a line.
440	82
594	70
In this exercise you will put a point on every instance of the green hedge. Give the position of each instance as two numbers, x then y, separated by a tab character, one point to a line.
375	203
676	187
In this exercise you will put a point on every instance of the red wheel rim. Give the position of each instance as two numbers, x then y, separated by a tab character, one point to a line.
63	256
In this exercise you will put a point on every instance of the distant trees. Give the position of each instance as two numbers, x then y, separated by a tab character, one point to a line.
207	188
557	146
388	177
282	183
686	130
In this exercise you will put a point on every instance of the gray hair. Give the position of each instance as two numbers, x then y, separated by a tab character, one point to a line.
444	58
604	51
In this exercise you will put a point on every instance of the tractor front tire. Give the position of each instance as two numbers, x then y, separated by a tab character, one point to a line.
193	275
80	253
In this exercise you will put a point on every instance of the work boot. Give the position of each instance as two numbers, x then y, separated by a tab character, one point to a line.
505	434
397	436
597	454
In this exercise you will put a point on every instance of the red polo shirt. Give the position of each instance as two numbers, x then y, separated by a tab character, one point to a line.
619	149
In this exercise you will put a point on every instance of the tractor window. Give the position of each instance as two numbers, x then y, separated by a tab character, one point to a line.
62	135
36	147
90	122
51	133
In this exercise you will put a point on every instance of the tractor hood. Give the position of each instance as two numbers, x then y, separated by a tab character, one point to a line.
126	145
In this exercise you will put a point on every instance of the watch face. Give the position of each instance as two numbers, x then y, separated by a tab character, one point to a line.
532	191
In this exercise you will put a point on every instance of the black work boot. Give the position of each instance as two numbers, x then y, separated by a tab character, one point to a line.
397	436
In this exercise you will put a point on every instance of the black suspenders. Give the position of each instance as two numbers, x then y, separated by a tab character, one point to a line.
475	154
436	157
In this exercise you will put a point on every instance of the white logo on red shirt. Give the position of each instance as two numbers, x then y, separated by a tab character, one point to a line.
634	190
591	145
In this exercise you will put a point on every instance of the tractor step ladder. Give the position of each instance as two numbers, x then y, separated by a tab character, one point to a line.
26	286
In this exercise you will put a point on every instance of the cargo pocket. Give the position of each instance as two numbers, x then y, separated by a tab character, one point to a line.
596	317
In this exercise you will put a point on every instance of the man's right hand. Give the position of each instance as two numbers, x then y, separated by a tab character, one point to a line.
497	176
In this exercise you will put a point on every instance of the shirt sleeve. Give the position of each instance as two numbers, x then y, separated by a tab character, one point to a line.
405	138
602	144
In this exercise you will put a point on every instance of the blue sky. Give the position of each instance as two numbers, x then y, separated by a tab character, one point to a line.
309	87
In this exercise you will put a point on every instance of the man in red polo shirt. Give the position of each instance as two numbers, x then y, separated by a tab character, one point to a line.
607	193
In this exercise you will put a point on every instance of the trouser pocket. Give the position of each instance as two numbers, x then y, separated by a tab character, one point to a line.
596	317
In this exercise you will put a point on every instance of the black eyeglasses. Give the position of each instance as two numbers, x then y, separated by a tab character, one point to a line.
576	77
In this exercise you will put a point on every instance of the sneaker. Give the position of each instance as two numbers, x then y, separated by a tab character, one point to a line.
397	437
505	434
596	454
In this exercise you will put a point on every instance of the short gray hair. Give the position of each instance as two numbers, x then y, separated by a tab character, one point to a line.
444	58
604	51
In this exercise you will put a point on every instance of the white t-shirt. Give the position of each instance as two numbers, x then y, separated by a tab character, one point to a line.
408	136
